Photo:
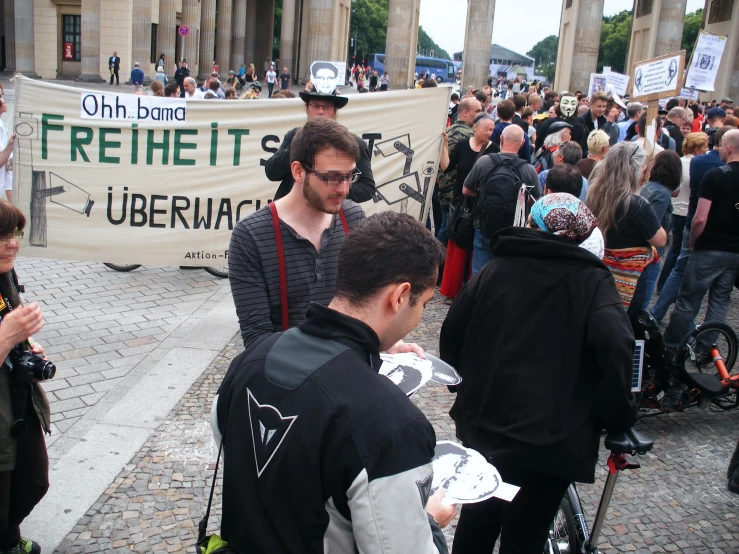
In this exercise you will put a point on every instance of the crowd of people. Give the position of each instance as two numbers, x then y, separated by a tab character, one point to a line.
554	212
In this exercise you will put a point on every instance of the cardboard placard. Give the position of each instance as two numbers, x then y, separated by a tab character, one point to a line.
658	78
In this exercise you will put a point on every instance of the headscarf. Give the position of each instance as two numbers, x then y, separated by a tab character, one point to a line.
564	215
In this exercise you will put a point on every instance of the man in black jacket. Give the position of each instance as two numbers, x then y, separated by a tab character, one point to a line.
594	119
180	75
319	105
676	118
321	453
114	64
544	348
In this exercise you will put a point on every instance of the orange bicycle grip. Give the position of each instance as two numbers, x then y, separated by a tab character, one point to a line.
718	361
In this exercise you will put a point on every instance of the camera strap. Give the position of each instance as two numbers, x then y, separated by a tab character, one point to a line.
203	525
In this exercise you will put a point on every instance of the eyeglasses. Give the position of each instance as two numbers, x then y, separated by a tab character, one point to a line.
5	239
333	178
324	107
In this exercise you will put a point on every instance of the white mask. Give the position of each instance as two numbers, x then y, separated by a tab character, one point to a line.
568	105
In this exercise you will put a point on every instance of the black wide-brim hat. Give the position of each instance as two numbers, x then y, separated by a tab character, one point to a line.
338	101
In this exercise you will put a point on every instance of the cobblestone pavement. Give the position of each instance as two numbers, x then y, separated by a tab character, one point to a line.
677	502
101	324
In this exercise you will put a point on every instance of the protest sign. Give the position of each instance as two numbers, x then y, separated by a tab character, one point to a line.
138	179
326	76
597	83
658	77
617	82
705	61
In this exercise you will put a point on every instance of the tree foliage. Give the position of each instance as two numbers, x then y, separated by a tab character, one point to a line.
544	53
693	23
369	23
615	36
426	44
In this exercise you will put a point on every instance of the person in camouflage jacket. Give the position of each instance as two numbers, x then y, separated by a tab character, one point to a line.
468	108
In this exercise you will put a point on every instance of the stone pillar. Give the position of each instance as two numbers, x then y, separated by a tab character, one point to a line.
669	35
207	37
25	49
587	43
166	34
9	35
320	31
239	34
265	32
191	18
400	49
734	82
141	47
287	38
478	39
223	35
90	38
250	52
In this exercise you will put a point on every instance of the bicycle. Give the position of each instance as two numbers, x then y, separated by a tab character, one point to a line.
216	271
569	531
703	364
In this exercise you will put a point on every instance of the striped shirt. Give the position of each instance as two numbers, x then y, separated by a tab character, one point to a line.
253	270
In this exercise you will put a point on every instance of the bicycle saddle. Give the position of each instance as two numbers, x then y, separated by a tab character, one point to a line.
628	442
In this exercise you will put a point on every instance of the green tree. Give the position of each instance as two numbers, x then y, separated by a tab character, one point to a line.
544	53
277	31
615	36
693	23
426	44
369	22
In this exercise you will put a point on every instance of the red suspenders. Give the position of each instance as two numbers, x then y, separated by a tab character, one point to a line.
281	259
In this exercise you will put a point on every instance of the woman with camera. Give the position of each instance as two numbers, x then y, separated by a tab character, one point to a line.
24	409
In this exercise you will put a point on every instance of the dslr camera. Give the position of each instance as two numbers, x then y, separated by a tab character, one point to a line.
27	366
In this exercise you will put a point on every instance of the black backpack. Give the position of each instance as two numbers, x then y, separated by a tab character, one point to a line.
498	196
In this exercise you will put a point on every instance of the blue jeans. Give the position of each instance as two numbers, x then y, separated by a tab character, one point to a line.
651	274
481	253
709	271
678	225
671	287
441	232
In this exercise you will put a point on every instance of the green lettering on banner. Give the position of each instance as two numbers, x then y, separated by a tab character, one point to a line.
213	143
237	134
179	145
151	146
76	143
45	128
105	144
134	144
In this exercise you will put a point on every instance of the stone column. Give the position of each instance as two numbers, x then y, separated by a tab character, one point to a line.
265	32
9	35
239	34
25	49
320	31
223	35
287	37
90	27
250	48
141	47
191	18
734	82
669	35
400	48
587	43
166	34
478	39
207	37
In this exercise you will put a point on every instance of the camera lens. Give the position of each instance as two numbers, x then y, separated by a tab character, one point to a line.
44	370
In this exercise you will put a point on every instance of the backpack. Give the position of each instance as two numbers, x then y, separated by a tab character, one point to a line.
543	160
502	200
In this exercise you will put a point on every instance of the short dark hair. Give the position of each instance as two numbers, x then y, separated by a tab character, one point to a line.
170	89
455	96
385	249
719	135
214	85
519	101
667	169
551	95
318	135
506	109
481	96
672	103
571	152
429	83
565	178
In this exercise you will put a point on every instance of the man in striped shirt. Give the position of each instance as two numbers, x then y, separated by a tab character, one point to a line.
312	219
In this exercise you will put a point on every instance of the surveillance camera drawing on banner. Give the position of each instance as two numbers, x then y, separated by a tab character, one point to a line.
120	178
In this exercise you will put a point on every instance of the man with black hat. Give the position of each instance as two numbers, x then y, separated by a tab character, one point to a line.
321	105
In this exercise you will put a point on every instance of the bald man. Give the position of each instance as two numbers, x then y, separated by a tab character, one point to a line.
500	171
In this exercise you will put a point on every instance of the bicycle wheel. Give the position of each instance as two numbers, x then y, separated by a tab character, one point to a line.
122	267
220	271
698	348
563	531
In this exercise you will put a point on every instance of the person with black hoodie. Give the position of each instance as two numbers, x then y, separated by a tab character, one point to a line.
594	119
545	349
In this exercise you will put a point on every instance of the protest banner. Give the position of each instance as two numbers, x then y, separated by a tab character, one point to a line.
617	82
705	62
597	83
139	179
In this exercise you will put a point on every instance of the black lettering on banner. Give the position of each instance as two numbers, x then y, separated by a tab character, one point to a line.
87	107
146	110
176	209
269	149
138	211
124	202
154	211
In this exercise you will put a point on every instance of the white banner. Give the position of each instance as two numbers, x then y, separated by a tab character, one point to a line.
706	59
659	76
618	82
142	189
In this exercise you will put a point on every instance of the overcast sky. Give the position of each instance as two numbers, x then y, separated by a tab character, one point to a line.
518	24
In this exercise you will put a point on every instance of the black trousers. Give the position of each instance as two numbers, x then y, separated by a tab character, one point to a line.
270	88
522	525
114	74
25	486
